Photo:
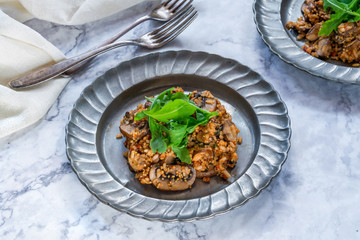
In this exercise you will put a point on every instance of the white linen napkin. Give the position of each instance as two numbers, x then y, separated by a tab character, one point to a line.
23	49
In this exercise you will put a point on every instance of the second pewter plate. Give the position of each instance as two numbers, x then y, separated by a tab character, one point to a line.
97	156
271	17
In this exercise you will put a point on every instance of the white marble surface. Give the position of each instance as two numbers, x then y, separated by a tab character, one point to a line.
316	195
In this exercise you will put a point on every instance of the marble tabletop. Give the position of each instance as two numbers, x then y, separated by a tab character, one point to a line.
315	196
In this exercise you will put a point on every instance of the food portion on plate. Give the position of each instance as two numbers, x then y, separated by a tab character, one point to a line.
175	138
331	29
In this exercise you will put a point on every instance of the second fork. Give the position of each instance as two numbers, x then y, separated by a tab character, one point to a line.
154	39
163	12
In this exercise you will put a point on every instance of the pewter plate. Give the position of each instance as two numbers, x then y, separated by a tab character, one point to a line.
271	17
97	156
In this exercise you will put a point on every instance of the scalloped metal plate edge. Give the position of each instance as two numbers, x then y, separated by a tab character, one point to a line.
281	45
272	153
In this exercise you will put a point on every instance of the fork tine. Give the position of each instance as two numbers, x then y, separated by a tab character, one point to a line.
180	11
175	9
180	30
157	33
168	23
166	3
177	30
172	5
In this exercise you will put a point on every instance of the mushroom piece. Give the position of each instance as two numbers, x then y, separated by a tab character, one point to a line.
147	104
324	48
136	161
127	130
139	162
307	7
230	130
134	130
170	158
172	177
221	168
209	173
208	104
313	33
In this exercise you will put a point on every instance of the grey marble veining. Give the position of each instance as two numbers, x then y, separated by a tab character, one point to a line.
315	196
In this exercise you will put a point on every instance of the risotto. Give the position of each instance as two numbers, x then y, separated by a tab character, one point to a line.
342	44
211	147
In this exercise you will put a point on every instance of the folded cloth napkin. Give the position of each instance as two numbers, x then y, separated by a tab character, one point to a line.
23	49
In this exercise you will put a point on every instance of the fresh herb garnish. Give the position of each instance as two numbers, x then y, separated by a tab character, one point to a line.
171	120
342	10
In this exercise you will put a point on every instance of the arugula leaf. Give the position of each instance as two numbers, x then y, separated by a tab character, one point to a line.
343	10
158	143
175	111
177	132
337	6
179	95
139	116
332	24
346	1
182	153
201	119
355	19
162	98
150	99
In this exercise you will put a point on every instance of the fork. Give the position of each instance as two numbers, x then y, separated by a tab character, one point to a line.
153	39
163	12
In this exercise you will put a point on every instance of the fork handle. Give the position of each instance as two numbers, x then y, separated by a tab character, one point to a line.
109	41
50	71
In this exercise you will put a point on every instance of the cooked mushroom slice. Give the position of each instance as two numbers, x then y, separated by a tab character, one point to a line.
172	177
230	130
324	48
136	161
313	33
221	168
209	173
307	7
170	158
134	130
147	104
208	104
127	130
